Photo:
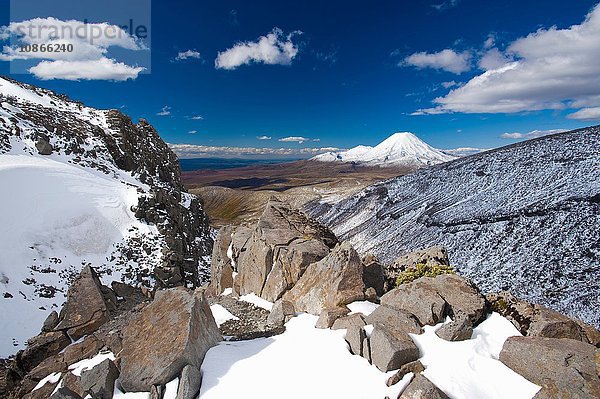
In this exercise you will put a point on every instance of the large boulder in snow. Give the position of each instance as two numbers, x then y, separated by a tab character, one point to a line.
419	298
421	388
282	245
433	256
330	315
86	308
432	298
189	383
335	280
394	320
221	270
175	330
564	368
390	350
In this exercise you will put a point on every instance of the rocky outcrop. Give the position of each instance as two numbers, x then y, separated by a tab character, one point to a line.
394	320
221	268
564	368
282	245
336	280
430	299
175	330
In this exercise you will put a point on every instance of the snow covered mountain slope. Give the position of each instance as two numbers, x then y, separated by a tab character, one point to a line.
400	149
85	186
525	217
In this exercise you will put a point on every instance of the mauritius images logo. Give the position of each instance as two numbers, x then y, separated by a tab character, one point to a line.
111	42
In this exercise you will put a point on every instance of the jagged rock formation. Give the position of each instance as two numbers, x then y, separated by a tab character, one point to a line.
110	195
523	217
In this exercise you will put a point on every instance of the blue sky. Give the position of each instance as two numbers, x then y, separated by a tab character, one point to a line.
355	74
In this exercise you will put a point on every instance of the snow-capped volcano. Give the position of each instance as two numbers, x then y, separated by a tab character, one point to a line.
400	149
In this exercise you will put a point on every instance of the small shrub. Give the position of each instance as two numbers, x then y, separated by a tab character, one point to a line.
422	270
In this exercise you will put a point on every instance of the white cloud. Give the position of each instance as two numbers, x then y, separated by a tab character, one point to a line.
316	140
88	43
273	49
531	135
184	55
294	139
101	69
586	114
447	85
492	59
489	42
264	137
196	117
199	151
448	60
193	132
165	111
552	69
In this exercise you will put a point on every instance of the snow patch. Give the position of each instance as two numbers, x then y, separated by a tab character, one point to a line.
257	301
221	314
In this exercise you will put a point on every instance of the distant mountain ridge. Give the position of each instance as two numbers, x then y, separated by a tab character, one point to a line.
524	217
400	149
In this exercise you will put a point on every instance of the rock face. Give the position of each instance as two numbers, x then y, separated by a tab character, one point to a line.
221	270
432	256
374	274
421	388
565	368
336	280
282	312
86	308
394	320
175	330
282	245
189	383
330	315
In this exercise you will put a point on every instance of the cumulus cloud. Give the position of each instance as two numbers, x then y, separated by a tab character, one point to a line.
165	111
102	69
549	69
447	85
275	48
184	55
200	151
264	137
447	60
586	114
531	135
294	139
492	59
89	44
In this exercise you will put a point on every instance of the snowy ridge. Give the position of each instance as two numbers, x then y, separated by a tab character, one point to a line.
523	217
400	149
80	204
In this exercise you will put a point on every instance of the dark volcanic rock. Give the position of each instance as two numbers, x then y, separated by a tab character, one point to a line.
391	350
99	382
